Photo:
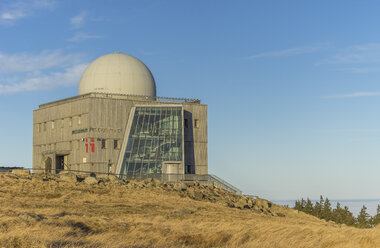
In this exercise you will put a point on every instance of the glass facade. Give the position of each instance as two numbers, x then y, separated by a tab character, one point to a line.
155	136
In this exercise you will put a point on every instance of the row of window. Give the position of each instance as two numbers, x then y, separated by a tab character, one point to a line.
76	144
43	126
116	144
52	124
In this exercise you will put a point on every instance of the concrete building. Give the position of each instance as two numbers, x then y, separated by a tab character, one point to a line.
118	125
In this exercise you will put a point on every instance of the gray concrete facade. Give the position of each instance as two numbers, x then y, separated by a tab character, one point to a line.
86	132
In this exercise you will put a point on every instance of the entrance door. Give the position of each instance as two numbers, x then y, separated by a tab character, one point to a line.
60	163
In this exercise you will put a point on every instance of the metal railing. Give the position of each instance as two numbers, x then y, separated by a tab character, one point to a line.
225	185
160	176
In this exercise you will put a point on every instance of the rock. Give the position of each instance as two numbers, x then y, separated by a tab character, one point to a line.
242	203
250	203
280	215
90	180
263	203
198	195
68	177
180	187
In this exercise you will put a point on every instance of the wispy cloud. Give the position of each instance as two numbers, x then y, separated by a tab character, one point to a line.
33	72
289	51
83	36
79	20
359	54
15	10
355	95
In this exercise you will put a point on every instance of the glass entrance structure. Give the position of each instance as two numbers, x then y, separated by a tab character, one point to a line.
155	136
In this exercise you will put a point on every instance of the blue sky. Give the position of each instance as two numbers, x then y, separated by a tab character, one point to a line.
292	86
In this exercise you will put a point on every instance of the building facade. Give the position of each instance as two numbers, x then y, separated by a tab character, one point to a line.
118	125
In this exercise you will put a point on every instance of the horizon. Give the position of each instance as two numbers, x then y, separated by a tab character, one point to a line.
292	88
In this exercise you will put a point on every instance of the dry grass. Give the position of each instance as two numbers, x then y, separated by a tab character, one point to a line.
34	213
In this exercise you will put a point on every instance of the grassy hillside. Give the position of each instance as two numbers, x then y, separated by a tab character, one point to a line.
60	212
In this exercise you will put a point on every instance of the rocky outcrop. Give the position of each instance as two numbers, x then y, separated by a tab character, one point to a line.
192	190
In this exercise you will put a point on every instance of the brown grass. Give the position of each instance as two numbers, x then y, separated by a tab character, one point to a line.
35	213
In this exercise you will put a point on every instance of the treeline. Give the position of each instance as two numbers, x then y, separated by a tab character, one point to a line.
340	215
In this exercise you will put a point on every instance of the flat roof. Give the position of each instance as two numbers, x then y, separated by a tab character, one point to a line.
122	97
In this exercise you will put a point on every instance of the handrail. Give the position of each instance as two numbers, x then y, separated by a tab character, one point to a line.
225	184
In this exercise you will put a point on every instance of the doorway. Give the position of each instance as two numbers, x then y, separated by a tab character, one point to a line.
59	163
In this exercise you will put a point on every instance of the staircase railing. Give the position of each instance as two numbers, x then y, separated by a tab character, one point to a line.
225	185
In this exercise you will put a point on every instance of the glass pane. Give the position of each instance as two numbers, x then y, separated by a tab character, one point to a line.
155	137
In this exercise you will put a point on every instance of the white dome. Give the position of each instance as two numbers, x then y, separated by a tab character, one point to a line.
117	73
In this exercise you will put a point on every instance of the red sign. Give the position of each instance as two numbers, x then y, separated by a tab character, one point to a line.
92	145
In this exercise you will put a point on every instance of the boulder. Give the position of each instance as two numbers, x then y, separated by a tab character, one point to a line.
180	187
198	195
90	180
68	177
242	203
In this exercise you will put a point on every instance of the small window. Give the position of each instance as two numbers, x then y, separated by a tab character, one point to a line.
44	126
39	127
104	144
62	123
196	123
186	123
116	144
52	124
79	120
70	122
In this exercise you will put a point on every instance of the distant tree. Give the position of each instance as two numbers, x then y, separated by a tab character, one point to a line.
337	214
321	201
348	217
297	205
363	219
323	210
303	203
326	210
317	210
376	219
308	207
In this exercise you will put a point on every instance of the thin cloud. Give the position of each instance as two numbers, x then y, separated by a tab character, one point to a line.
355	95
79	20
9	13
33	72
359	54
83	36
289	52
360	69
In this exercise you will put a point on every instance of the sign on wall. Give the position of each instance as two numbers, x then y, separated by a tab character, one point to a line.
92	145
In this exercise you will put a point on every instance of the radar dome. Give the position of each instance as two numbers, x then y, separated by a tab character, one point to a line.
117	73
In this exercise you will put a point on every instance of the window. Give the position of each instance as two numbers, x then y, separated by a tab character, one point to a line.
104	144
196	123
79	120
39	127
186	123
116	144
155	137
62	123
44	126
70	122
52	124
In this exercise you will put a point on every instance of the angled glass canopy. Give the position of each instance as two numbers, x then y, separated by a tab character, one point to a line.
155	136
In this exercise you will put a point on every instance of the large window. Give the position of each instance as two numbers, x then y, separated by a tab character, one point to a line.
155	137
